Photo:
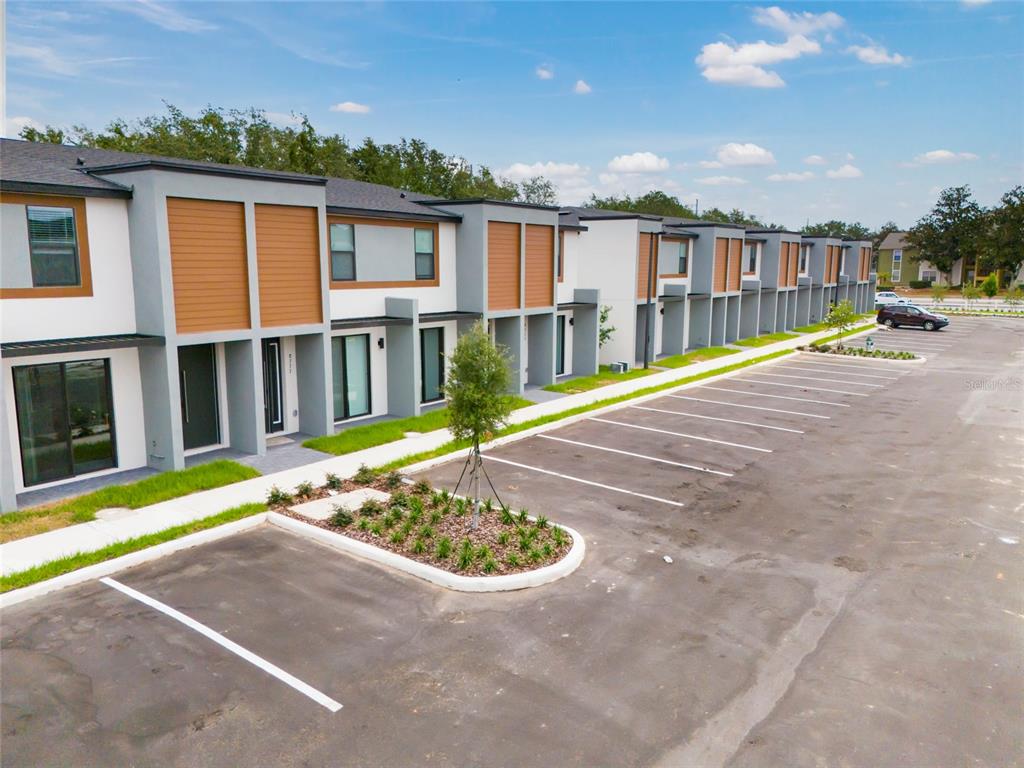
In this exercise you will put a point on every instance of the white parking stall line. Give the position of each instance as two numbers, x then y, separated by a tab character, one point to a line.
718	418
835	373
271	669
778	397
680	464
897	344
752	407
818	378
581	480
681	434
855	364
808	387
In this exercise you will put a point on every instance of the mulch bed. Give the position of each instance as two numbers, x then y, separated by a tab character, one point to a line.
497	546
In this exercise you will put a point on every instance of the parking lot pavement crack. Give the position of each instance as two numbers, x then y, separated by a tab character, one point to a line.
718	739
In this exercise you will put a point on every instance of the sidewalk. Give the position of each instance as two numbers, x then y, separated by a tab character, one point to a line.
25	553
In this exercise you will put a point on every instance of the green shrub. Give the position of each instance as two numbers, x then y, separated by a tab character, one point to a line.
460	507
524	517
363	524
558	535
304	490
483	552
541	521
332	481
490	565
342	518
547	550
437	499
488	505
376	528
364	475
920	283
393	480
419	547
465	556
426	532
400	499
436	517
506	515
503	538
422	488
278	498
371	508
534	555
990	286
444	548
397	537
512	560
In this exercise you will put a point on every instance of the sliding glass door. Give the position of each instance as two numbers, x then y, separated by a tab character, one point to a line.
431	364
65	419
351	375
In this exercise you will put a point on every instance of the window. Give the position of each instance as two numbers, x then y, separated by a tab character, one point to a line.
805	251
350	370
424	254
897	265
53	246
684	255
343	252
752	258
897	255
65	419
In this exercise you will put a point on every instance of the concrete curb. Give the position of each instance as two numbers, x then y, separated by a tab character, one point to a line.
856	358
436	576
91	572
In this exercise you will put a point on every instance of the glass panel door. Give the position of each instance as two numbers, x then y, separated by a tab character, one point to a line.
92	423
432	364
357	375
560	345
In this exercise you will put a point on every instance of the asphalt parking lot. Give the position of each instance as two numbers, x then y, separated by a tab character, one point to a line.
844	589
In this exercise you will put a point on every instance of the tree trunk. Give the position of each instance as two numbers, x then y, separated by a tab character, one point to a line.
476	485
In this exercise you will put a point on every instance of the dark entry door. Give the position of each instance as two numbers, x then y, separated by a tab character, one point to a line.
197	373
560	345
432	364
272	401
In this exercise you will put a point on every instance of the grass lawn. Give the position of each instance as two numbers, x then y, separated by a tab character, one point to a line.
602	378
697	356
74	562
150	490
358	438
768	338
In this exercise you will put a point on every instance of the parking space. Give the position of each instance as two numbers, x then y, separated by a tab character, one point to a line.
781	569
923	343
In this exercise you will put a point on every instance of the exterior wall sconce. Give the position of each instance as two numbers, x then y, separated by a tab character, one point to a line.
380	343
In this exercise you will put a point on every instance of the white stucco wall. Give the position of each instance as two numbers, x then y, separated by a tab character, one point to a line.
369	302
609	248
126	393
570	268
111	308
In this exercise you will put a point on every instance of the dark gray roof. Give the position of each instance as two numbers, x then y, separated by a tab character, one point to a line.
583	213
349	196
570	220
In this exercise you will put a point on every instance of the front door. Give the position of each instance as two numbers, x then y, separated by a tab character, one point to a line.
432	364
560	345
197	376
272	402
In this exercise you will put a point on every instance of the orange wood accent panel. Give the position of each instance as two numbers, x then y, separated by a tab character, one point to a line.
784	264
643	263
561	256
721	266
288	259
81	235
540	265
794	263
735	264
502	265
208	264
865	263
341	285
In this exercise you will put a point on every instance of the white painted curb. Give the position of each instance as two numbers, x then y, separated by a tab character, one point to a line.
823	356
91	572
441	578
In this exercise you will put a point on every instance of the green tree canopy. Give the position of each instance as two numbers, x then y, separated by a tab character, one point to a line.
952	229
477	386
247	137
1002	240
836	228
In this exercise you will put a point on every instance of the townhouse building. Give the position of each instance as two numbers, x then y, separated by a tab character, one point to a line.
779	269
855	275
154	308
823	264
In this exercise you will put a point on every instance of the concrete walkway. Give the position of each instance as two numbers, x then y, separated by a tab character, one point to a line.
25	553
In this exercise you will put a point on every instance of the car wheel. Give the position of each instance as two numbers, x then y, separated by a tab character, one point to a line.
929	325
889	323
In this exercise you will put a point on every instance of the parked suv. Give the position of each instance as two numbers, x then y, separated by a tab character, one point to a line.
895	315
884	298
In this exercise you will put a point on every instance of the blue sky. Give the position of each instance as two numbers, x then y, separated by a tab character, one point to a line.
795	112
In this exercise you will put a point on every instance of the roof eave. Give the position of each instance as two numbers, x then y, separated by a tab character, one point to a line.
375	213
71	190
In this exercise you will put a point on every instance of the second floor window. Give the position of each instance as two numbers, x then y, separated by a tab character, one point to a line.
897	256
804	251
343	252
53	246
424	254
752	258
683	258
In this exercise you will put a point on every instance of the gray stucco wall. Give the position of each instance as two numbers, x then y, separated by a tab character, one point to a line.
244	375
313	367
540	359
585	332
402	344
15	262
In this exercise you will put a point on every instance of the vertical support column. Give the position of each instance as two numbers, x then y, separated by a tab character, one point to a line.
541	349
673	322
508	333
315	385
243	361
585	332
161	407
403	355
9	444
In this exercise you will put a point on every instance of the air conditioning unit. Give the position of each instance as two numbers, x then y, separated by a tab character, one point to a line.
620	367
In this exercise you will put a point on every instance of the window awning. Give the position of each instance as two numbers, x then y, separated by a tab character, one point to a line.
80	344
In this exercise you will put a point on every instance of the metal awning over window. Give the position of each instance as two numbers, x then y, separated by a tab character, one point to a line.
81	344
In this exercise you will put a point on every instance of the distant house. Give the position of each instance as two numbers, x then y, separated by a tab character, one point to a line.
897	259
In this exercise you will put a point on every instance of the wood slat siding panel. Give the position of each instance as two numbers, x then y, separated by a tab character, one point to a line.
784	264
735	264
208	264
794	263
721	264
865	263
540	265
502	265
643	263
288	258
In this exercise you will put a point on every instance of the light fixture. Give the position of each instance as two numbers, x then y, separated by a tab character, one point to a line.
571	321
380	343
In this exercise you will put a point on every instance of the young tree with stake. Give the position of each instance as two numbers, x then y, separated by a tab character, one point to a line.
840	318
478	399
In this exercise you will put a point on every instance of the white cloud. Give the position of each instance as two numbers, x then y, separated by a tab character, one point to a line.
351	107
555	172
735	153
709	164
14	125
638	162
845	172
44	57
544	73
791	176
581	87
877	54
849	157
797	23
163	16
721	181
814	160
283	118
743	64
974	3
943	156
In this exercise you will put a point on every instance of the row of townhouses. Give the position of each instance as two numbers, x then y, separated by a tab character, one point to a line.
153	308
